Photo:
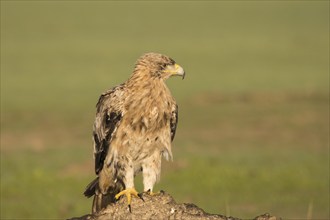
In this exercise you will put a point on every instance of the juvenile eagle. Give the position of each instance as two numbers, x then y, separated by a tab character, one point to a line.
134	126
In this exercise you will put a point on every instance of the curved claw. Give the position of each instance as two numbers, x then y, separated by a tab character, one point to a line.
128	193
140	196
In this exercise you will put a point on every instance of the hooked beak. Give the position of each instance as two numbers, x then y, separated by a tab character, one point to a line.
175	70
179	70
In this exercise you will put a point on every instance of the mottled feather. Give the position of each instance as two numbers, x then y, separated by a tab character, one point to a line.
108	115
134	126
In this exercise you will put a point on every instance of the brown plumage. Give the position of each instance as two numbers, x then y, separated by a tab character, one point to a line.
134	126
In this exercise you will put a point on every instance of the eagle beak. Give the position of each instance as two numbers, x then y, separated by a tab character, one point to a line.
175	70
179	71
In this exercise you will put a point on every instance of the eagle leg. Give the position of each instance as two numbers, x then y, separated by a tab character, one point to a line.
128	193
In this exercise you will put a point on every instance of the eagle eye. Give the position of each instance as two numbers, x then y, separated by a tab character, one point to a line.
163	66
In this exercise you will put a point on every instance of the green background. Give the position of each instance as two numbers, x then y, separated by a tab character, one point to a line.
253	134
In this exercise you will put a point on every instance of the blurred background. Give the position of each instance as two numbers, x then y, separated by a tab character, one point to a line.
253	133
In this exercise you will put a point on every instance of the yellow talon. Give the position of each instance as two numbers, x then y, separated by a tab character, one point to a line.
128	193
152	193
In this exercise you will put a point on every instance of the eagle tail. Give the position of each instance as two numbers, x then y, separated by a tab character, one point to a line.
100	200
91	188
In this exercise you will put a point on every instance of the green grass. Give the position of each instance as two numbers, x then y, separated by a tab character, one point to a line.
260	154
253	133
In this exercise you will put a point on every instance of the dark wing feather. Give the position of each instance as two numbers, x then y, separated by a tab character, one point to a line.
108	116
174	121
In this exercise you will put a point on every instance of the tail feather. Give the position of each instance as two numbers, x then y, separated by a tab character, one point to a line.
100	200
91	188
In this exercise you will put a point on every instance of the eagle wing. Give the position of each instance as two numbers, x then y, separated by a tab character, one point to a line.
174	120
108	116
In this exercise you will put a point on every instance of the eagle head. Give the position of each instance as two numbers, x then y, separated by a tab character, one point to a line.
158	66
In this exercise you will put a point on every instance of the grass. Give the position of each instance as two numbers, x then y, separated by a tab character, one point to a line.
253	134
257	154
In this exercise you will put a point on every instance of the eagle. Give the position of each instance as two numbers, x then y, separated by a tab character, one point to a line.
134	127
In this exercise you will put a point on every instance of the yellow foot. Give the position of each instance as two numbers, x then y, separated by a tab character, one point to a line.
128	193
154	193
